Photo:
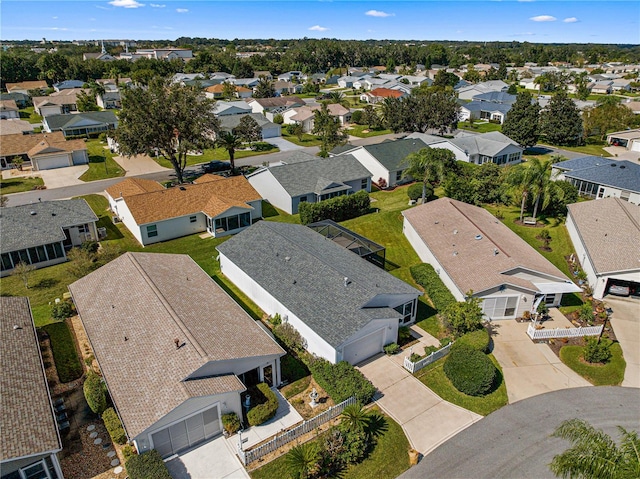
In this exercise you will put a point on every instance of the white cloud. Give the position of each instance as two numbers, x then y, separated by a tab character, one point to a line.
570	20
543	18
57	29
155	5
379	13
126	3
55	18
182	10
318	28
526	1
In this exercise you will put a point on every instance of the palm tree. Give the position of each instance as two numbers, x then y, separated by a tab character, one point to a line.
594	454
533	177
355	418
429	165
339	98
303	460
231	143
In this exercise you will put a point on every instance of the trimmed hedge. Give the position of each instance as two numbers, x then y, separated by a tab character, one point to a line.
470	371
114	426
478	340
426	276
338	209
147	465
265	411
341	381
94	393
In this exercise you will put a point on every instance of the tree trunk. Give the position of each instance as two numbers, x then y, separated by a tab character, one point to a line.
524	199
232	160
535	207
176	166
424	192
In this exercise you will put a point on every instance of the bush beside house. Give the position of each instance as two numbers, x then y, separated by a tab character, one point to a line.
263	412
114	426
426	276
95	393
341	380
338	209
146	466
478	340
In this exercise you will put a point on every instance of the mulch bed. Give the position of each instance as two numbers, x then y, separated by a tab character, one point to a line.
301	401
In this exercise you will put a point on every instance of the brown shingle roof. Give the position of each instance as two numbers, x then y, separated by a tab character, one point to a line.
26	85
63	97
14	126
449	228
610	231
133	186
386	93
152	299
278	101
26	417
8	105
210	197
19	144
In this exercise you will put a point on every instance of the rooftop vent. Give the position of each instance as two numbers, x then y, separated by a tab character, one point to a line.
32	213
478	237
437	222
455	232
622	167
53	214
613	164
182	188
346	281
455	253
287	258
177	343
495	251
16	326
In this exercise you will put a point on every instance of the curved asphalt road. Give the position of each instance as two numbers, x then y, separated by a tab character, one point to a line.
514	441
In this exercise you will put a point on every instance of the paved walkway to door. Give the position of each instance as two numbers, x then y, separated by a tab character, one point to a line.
425	417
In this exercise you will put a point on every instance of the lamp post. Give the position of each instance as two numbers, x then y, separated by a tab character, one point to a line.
104	155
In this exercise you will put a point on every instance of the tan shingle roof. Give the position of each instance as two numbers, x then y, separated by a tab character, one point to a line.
449	228
152	299
19	144
26	417
14	126
610	231
133	186
26	85
211	197
8	105
63	97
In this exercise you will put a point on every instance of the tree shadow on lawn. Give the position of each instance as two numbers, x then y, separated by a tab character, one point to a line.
46	283
113	232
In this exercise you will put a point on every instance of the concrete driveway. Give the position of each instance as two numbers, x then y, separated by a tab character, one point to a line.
284	145
139	165
626	324
63	177
212	460
529	369
425	417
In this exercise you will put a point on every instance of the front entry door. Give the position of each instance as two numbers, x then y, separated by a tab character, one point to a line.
267	375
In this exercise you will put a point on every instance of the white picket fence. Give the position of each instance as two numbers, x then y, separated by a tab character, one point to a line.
286	437
563	332
434	356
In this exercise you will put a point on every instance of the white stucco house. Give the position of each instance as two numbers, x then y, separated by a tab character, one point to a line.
217	205
605	235
186	351
346	308
472	251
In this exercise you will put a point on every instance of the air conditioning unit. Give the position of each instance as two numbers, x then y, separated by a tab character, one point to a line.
115	219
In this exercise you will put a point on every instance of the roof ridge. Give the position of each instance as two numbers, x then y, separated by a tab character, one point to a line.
166	305
634	221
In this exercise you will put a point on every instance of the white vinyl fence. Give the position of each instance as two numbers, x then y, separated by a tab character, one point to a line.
563	332
286	437
434	356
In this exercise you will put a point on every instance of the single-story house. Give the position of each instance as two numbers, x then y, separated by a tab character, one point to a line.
305	115
622	84
45	151
267	128
305	178
597	177
529	84
379	94
346	308
484	110
347	81
274	105
602	87
60	103
223	108
386	160
31	440
12	127
185	350
83	123
39	233
474	252
500	97
245	82
492	147
468	92
634	106
9	110
282	87
109	100
218	205
369	83
25	86
68	84
21	99
605	236
629	139
214	92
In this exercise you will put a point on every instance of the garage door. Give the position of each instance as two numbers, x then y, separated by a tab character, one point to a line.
363	348
635	145
188	433
270	133
52	162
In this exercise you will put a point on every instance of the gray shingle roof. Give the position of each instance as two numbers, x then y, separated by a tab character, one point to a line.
487	106
300	177
624	175
229	122
495	97
61	122
26	417
582	162
305	272
20	229
489	144
391	154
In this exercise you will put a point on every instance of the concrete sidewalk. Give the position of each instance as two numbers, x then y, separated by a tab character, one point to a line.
425	417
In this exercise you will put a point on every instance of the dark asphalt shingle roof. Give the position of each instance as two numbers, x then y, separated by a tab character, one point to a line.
20	229
582	162
229	122
624	175
342	149
305	272
487	106
496	97
391	154
61	122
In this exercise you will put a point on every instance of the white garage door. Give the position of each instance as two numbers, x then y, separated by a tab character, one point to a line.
635	145
363	348
188	433
270	132
52	162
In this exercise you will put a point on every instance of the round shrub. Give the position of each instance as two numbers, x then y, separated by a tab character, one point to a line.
597	351
94	393
414	192
470	371
356	117
478	340
61	310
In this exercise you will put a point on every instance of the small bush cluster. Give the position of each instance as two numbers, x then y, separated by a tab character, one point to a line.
338	209
414	192
597	352
463	317
391	348
478	340
265	411
290	336
61	310
585	313
404	335
470	371
146	465
292	368
262	146
231	422
114	426
426	276
341	380
128	452
94	393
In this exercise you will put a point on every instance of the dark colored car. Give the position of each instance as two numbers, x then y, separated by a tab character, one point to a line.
215	166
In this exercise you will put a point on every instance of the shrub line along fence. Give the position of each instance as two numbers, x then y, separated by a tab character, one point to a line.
563	333
286	437
434	356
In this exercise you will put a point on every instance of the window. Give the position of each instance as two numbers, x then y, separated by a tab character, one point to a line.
6	262
303	199
406	310
624	195
245	220
152	230
83	228
35	471
192	219
364	183
500	307
398	175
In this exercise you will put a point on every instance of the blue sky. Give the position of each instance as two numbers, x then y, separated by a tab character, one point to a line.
534	21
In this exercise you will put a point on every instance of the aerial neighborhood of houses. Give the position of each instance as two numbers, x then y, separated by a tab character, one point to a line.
209	270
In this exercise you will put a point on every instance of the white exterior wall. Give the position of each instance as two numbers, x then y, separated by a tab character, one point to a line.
174	228
525	300
271	306
460	155
256	107
270	189
374	166
608	191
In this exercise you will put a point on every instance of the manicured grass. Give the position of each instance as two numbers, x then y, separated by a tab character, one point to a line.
215	154
98	155
595	150
427	319
610	374
478	127
64	352
296	387
16	185
570	303
363	131
30	115
434	378
307	138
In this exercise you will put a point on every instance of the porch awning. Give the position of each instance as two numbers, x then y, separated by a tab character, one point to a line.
553	288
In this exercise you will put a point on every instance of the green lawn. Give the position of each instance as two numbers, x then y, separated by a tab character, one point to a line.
30	115
214	154
16	185
478	127
101	163
363	131
595	150
64	352
434	378
610	374
307	139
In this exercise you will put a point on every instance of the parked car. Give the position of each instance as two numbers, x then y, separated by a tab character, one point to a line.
619	290
215	166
